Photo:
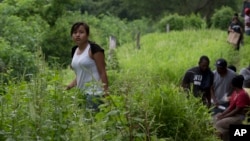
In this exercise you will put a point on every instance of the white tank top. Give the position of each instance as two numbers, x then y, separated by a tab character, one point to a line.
87	76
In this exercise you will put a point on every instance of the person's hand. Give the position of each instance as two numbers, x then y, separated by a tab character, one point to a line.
68	87
216	103
219	117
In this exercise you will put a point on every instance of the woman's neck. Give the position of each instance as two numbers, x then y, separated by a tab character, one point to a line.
83	46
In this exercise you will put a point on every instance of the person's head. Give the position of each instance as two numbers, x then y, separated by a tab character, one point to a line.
232	67
236	15
235	19
237	81
221	66
80	32
204	63
247	11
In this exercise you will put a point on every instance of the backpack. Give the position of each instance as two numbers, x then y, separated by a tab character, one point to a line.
93	46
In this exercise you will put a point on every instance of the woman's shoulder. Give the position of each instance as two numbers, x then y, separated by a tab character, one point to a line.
73	49
95	47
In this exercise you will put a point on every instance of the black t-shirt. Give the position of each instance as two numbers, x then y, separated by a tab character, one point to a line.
198	81
236	27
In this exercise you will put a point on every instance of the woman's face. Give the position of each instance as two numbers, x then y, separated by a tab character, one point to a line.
80	35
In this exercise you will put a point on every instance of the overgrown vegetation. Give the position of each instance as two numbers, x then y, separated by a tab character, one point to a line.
145	103
145	100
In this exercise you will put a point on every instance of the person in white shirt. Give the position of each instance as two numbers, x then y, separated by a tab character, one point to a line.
88	64
221	87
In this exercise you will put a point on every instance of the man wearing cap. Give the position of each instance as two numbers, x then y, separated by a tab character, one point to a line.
199	79
221	88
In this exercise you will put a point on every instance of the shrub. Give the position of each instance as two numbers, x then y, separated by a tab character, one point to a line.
178	22
195	22
175	21
16	61
222	17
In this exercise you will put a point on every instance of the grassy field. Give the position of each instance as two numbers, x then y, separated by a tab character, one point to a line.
165	56
145	103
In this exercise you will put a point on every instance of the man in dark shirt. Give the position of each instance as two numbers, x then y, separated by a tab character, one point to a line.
198	80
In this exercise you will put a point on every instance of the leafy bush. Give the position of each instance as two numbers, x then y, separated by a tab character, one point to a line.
195	22
178	22
23	34
16	61
57	43
222	17
175	21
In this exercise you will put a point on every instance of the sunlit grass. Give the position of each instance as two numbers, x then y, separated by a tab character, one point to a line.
168	55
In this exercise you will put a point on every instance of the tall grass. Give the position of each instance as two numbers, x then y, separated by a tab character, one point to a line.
165	56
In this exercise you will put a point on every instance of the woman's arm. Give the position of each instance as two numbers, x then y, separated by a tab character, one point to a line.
71	85
231	113
100	63
213	96
230	29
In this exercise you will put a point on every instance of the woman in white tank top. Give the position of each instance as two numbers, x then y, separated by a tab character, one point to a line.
89	66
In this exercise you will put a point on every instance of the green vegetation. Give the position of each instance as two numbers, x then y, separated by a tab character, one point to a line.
145	103
145	100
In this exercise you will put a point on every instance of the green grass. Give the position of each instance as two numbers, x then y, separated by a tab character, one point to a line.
167	55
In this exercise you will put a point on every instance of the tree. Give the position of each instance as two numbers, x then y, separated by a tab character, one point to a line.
154	9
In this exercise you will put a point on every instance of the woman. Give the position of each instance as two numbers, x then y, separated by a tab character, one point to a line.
235	113
235	26
88	64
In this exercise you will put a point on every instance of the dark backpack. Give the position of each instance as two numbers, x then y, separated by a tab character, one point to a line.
93	46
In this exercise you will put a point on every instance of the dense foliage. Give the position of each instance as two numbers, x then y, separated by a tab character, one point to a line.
155	9
30	25
177	22
145	100
221	18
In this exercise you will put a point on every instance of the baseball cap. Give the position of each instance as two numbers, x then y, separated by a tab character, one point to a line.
221	63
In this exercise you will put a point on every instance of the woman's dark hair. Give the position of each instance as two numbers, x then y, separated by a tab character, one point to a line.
202	58
76	25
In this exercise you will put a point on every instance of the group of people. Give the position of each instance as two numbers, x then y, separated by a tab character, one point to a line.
222	90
